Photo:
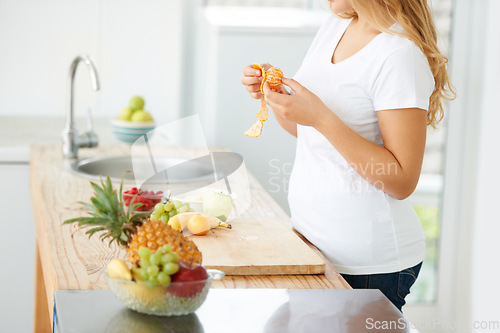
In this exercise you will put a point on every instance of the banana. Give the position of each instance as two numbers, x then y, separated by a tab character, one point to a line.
179	222
118	269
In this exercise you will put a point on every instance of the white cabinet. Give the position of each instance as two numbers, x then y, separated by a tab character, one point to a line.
17	249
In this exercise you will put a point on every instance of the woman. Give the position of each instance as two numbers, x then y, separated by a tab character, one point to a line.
371	82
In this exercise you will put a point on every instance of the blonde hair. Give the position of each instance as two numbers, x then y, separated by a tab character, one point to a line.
415	18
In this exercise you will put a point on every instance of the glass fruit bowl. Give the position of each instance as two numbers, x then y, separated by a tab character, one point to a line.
177	298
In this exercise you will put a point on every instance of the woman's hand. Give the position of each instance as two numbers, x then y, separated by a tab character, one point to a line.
252	79
303	107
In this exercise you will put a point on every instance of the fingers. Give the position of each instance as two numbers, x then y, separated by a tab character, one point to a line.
266	66
251	80
282	90
272	98
254	91
256	95
294	85
250	71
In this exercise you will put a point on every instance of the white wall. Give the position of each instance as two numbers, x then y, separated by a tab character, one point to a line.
136	45
485	269
468	290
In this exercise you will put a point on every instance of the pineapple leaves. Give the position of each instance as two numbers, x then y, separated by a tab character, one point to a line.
107	213
121	190
134	206
137	218
90	232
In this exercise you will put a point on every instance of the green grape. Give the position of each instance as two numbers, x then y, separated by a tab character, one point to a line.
163	278
168	206
172	213
165	217
186	204
156	215
159	207
182	209
165	249
155	258
169	257
143	273
170	268
176	257
144	263
153	270
151	282
144	253
177	204
165	259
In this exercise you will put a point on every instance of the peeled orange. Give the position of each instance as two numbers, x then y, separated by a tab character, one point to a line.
273	76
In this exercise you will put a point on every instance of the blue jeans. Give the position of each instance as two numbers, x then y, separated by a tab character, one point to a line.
395	286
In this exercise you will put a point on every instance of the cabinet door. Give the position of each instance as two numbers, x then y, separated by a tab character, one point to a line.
17	249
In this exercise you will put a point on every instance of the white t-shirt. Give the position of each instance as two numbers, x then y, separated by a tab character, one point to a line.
359	228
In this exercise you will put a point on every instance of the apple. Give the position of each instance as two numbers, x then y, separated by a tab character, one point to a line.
188	274
217	204
136	103
141	116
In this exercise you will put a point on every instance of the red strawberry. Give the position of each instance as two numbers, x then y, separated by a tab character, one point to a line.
194	277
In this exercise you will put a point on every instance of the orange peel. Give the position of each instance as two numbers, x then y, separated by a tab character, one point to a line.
273	76
263	113
255	130
263	73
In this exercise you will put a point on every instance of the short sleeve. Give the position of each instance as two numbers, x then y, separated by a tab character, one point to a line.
404	81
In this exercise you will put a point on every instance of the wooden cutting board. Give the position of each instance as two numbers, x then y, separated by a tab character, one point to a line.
258	247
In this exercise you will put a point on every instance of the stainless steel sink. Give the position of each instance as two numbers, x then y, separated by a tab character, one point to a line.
168	170
164	170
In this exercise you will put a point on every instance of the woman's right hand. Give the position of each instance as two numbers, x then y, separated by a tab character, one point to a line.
252	79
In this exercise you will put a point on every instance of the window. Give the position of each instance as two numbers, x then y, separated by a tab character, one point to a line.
427	198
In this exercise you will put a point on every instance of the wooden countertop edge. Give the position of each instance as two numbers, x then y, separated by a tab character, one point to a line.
331	273
41	242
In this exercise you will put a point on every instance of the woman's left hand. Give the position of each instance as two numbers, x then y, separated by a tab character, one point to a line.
303	107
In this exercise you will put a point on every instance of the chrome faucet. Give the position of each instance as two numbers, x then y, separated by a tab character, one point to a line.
71	141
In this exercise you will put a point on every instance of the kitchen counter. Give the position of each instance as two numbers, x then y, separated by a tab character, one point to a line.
68	260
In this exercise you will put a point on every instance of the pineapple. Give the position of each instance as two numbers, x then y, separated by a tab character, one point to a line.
131	231
154	234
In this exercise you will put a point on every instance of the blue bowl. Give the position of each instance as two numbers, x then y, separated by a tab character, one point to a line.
128	131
